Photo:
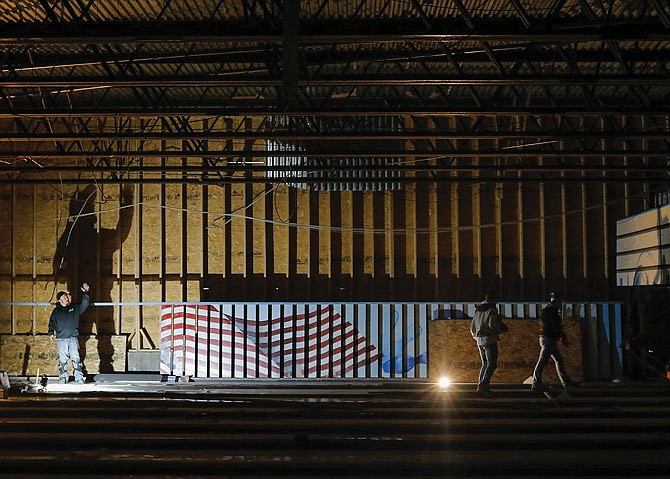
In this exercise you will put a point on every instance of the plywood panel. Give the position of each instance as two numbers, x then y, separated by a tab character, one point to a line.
238	231
173	229
152	229
23	316
553	237
216	238
150	316
46	206
117	296
6	233
574	248
303	251
488	237
193	290
125	202
453	352
25	354
280	231
595	241
324	235
258	226
128	315
22	210
41	316
120	240
467	237
430	243
455	237
511	231
476	200
411	220
393	260
194	229
347	237
445	256
532	242
368	238
173	292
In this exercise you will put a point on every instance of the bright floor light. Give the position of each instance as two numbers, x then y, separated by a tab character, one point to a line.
444	382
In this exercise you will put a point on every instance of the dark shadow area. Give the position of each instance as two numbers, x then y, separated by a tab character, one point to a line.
26	358
84	254
320	288
329	429
646	337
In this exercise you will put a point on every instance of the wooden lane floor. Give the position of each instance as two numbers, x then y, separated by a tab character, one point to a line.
330	430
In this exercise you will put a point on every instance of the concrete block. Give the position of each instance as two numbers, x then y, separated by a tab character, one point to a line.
144	360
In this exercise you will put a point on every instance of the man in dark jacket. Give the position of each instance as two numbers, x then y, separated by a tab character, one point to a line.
64	325
485	328
551	332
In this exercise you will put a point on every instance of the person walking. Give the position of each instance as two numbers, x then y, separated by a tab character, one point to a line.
551	332
64	326
486	327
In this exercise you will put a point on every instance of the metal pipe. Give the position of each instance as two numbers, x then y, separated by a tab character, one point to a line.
517	152
569	109
204	81
658	134
235	167
218	180
194	32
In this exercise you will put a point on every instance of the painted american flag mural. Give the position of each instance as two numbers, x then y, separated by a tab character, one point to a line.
291	341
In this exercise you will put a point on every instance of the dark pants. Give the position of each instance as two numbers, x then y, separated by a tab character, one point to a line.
489	355
549	349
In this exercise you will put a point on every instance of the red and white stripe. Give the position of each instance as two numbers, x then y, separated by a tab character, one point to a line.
218	346
317	343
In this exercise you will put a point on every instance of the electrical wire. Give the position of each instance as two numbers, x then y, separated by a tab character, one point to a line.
340	229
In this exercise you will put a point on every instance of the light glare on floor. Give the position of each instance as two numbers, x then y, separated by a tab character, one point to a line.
444	382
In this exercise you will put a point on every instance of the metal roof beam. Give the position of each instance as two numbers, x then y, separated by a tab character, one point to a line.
512	151
290	54
184	131
220	32
568	107
660	11
234	167
216	179
194	81
252	57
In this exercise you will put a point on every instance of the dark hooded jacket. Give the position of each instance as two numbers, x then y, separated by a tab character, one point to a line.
64	321
487	323
550	322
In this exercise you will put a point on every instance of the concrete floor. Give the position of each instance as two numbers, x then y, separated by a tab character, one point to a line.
137	426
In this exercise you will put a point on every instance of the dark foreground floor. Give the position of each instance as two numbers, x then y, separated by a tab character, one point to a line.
333	429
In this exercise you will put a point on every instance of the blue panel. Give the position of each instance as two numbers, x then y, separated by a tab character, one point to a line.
409	348
422	371
606	324
619	336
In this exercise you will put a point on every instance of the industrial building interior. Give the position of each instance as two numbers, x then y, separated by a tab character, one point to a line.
287	212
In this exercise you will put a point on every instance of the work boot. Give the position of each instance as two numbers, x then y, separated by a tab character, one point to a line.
538	388
79	376
484	391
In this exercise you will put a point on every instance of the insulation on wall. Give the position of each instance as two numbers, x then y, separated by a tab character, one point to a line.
25	355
